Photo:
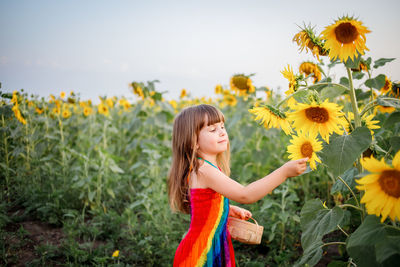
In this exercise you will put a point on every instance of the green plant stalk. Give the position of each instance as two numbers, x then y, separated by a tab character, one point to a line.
7	160
333	243
373	104
357	118
62	149
28	163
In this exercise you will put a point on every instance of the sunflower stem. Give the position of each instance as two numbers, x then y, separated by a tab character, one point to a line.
357	119
343	231
350	206
373	104
351	191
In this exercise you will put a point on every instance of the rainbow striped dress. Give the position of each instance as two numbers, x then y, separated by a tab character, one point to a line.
208	242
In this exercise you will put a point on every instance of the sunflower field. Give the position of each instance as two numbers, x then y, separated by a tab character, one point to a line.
98	172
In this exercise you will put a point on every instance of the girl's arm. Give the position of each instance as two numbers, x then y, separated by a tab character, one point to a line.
219	182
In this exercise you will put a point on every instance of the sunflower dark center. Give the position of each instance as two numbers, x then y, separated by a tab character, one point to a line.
346	33
306	149
389	181
317	114
240	82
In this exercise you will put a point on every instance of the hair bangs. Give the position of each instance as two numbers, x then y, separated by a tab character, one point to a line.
212	114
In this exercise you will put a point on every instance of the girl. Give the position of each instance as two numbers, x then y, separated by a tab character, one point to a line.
199	184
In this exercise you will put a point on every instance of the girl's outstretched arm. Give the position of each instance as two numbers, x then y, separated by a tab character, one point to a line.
219	182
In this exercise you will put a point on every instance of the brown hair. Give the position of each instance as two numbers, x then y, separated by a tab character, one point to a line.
187	125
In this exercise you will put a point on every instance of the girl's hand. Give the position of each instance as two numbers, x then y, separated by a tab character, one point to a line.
240	213
295	167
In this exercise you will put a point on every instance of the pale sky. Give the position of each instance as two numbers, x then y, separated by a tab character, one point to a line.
98	47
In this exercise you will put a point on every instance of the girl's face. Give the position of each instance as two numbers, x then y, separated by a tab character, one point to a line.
213	139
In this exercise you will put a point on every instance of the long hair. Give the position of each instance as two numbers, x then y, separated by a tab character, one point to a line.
187	126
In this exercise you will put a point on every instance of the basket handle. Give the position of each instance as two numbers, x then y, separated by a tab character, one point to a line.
254	220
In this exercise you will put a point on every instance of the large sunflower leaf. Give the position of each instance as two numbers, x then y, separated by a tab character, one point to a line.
378	82
382	61
332	91
316	221
392	119
353	63
373	244
341	153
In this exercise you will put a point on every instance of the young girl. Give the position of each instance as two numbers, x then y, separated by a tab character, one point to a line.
199	184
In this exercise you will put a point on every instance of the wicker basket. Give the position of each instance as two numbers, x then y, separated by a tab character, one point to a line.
244	231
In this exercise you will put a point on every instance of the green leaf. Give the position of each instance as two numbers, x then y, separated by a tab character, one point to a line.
348	177
373	244
340	154
332	91
111	192
300	96
395	143
353	63
382	61
344	81
392	119
316	221
388	102
378	82
358	75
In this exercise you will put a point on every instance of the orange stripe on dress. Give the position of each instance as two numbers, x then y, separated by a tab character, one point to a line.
213	217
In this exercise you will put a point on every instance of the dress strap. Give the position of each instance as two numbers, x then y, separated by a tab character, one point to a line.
210	163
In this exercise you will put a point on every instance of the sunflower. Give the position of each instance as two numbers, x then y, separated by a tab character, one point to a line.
137	90
229	100
307	39
218	89
345	38
87	111
324	118
66	113
382	187
395	92
271	118
103	109
387	87
305	145
384	109
39	110
242	84
363	66
293	84
308	68
183	93
366	120
18	114
56	111
62	95
110	102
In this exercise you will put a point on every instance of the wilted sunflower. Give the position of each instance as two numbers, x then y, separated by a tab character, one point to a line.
324	118
382	187
345	38
18	114
293	84
307	39
271	118
242	84
363	66
308	68
387	87
305	145
395	92
137	90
